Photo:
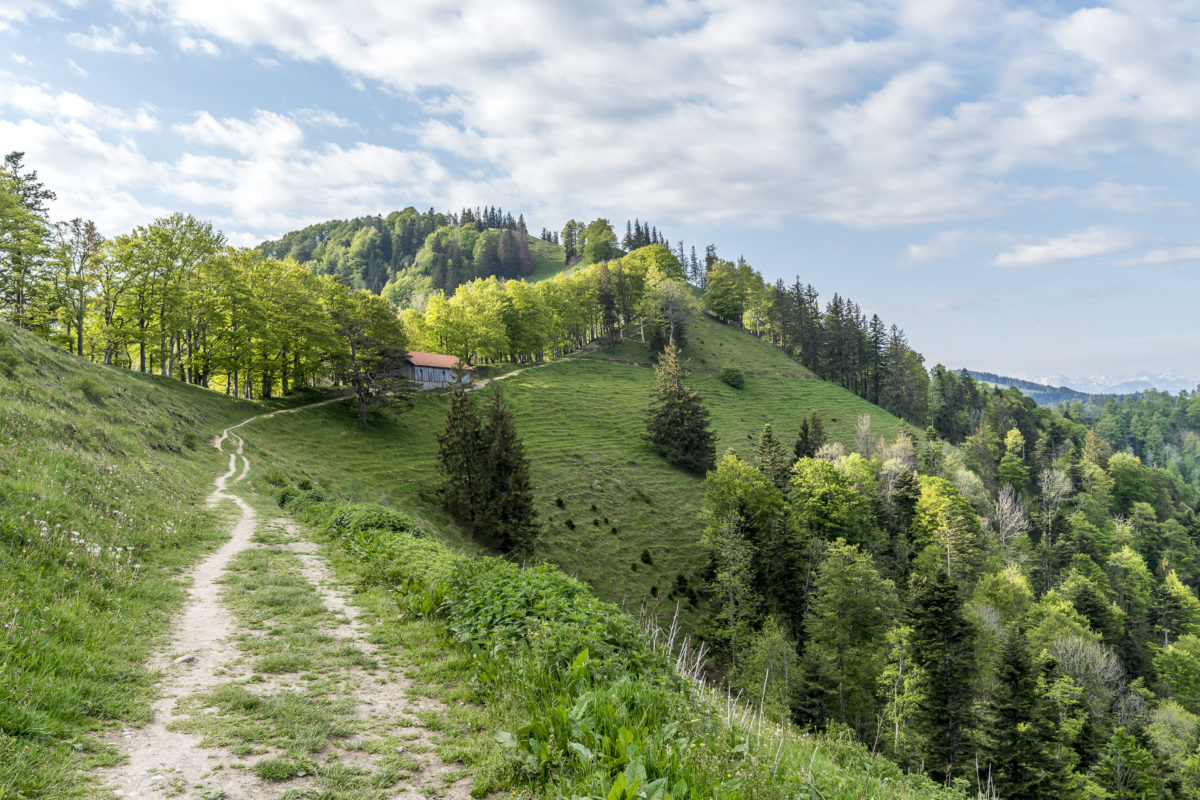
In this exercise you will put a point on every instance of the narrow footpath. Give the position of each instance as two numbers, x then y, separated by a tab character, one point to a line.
270	687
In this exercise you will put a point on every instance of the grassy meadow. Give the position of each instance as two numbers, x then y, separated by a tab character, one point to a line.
548	259
603	496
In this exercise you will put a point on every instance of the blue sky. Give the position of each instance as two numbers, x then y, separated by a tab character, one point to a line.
1014	184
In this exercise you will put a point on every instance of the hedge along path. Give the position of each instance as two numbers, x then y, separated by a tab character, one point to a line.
203	655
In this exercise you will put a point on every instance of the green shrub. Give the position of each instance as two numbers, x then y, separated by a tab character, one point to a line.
355	519
495	604
286	495
734	377
275	477
191	440
303	501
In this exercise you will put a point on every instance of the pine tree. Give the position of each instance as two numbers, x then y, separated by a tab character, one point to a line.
507	515
943	648
461	459
772	461
677	423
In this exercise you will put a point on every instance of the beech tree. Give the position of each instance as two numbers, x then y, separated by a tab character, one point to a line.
845	629
76	251
373	353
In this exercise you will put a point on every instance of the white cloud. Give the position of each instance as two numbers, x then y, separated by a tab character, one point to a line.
40	102
20	59
78	70
21	11
110	40
1095	241
95	176
864	114
1161	256
253	177
206	47
318	118
949	244
266	133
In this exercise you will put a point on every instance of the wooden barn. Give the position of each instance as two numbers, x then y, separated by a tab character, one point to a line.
434	370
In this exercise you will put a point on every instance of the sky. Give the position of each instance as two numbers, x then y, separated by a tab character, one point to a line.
1013	184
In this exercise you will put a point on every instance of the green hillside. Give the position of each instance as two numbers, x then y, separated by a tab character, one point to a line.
101	490
548	259
105	470
582	420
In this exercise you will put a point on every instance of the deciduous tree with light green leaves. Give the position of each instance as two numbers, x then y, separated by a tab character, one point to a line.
845	651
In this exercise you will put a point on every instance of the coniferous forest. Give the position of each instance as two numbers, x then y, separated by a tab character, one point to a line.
1001	597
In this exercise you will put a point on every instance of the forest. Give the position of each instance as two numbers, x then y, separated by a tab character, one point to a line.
1004	600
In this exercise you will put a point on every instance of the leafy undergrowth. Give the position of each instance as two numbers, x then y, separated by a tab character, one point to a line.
582	706
101	486
603	496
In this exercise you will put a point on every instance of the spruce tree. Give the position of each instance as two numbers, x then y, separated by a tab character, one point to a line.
506	516
461	459
943	648
1018	746
811	437
677	424
804	448
772	461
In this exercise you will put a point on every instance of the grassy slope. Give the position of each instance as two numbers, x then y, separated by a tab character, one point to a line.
547	259
120	458
581	420
95	459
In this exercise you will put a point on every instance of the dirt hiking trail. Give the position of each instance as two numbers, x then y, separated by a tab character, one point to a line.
210	655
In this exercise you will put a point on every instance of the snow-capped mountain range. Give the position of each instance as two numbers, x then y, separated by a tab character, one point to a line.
1170	381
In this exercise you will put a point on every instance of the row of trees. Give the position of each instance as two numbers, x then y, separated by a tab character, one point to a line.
408	254
172	297
642	293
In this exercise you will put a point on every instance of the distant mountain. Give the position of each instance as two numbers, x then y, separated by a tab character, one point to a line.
1124	384
1041	393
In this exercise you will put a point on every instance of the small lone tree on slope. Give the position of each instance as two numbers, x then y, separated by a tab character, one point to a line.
677	424
506	516
485	475
461	458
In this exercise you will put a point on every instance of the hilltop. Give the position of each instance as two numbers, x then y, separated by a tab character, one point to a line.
408	253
